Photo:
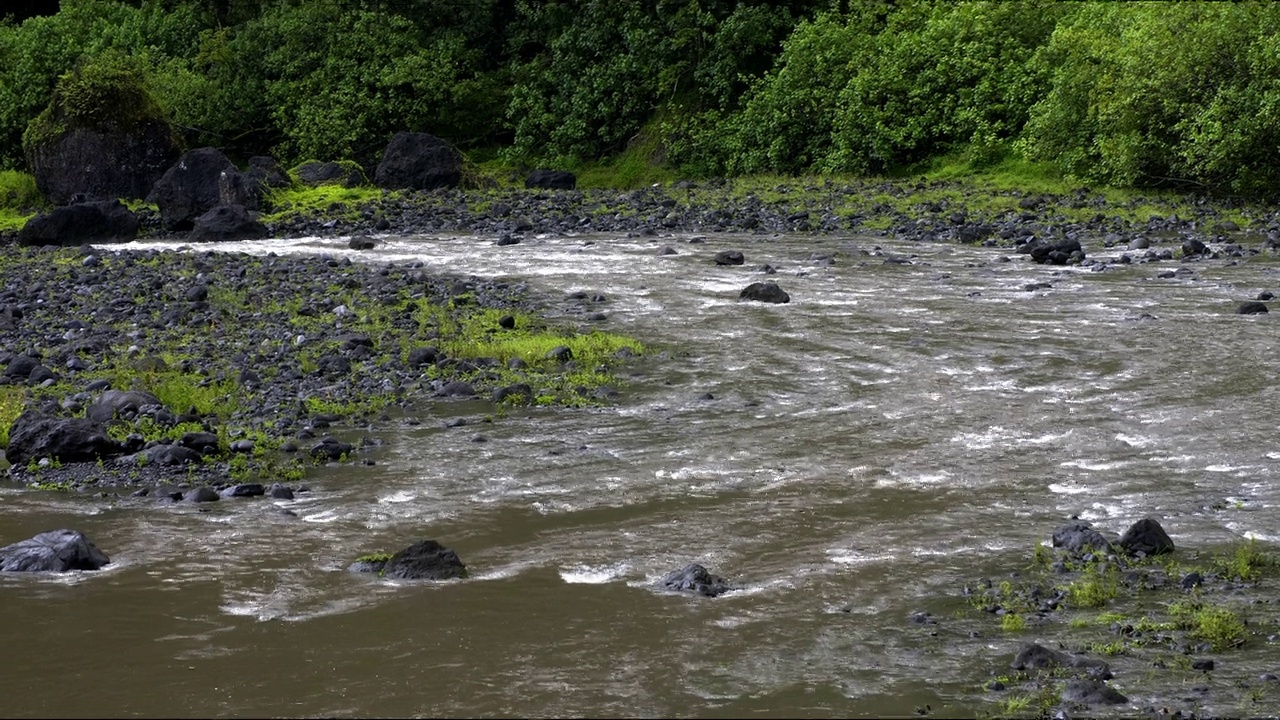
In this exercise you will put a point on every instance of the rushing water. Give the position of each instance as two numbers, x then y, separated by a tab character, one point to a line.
850	458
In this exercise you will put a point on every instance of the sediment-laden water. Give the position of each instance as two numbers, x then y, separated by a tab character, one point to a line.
914	418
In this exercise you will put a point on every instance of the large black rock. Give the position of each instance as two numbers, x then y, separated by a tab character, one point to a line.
551	180
190	188
121	403
35	435
1146	537
764	292
80	224
227	223
426	560
105	161
418	161
53	551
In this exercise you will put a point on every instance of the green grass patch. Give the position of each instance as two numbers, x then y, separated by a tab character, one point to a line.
327	200
1219	626
12	402
1245	562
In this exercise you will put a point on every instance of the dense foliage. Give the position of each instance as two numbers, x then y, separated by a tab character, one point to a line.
1136	93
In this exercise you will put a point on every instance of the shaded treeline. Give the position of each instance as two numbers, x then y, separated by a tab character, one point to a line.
1132	94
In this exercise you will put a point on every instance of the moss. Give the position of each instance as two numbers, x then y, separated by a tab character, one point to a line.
107	90
325	200
375	558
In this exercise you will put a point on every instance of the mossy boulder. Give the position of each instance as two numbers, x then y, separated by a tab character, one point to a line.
102	136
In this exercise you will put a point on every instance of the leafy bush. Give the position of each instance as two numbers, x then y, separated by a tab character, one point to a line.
1154	94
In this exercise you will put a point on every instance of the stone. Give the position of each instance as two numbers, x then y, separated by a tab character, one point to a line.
190	188
1146	537
425	560
53	551
80	224
1252	307
694	578
766	292
227	223
551	180
419	161
729	257
34	436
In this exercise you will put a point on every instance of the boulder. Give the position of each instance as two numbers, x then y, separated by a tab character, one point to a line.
80	224
1033	656
102	136
551	180
1058	252
694	578
240	188
122	403
767	292
426	560
1252	307
35	435
1146	537
418	161
267	171
1091	692
346	174
53	551
190	188
227	223
331	449
729	257
1078	538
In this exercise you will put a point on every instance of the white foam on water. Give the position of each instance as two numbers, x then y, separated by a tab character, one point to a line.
1095	464
1067	489
1138	441
847	556
594	574
400	496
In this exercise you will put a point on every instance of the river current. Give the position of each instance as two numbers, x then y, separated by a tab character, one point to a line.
913	419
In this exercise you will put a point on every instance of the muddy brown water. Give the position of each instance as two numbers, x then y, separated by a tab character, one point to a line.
895	431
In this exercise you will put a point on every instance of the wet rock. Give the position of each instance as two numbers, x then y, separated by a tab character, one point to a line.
317	173
514	393
729	257
362	242
53	551
200	495
766	292
1033	656
280	492
425	560
1252	307
1191	580
1146	538
243	490
331	449
1079	538
694	578
1091	692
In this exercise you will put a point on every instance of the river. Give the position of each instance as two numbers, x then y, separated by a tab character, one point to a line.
913	419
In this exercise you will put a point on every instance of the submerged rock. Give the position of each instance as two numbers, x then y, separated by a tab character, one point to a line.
1091	692
53	551
694	578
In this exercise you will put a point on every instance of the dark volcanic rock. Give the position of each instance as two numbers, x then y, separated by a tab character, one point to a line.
122	403
227	223
1252	308
1091	692
331	173
418	161
35	435
426	560
53	551
767	292
82	223
1033	656
104	161
694	578
551	180
1058	252
1146	537
189	189
729	257
1078	537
